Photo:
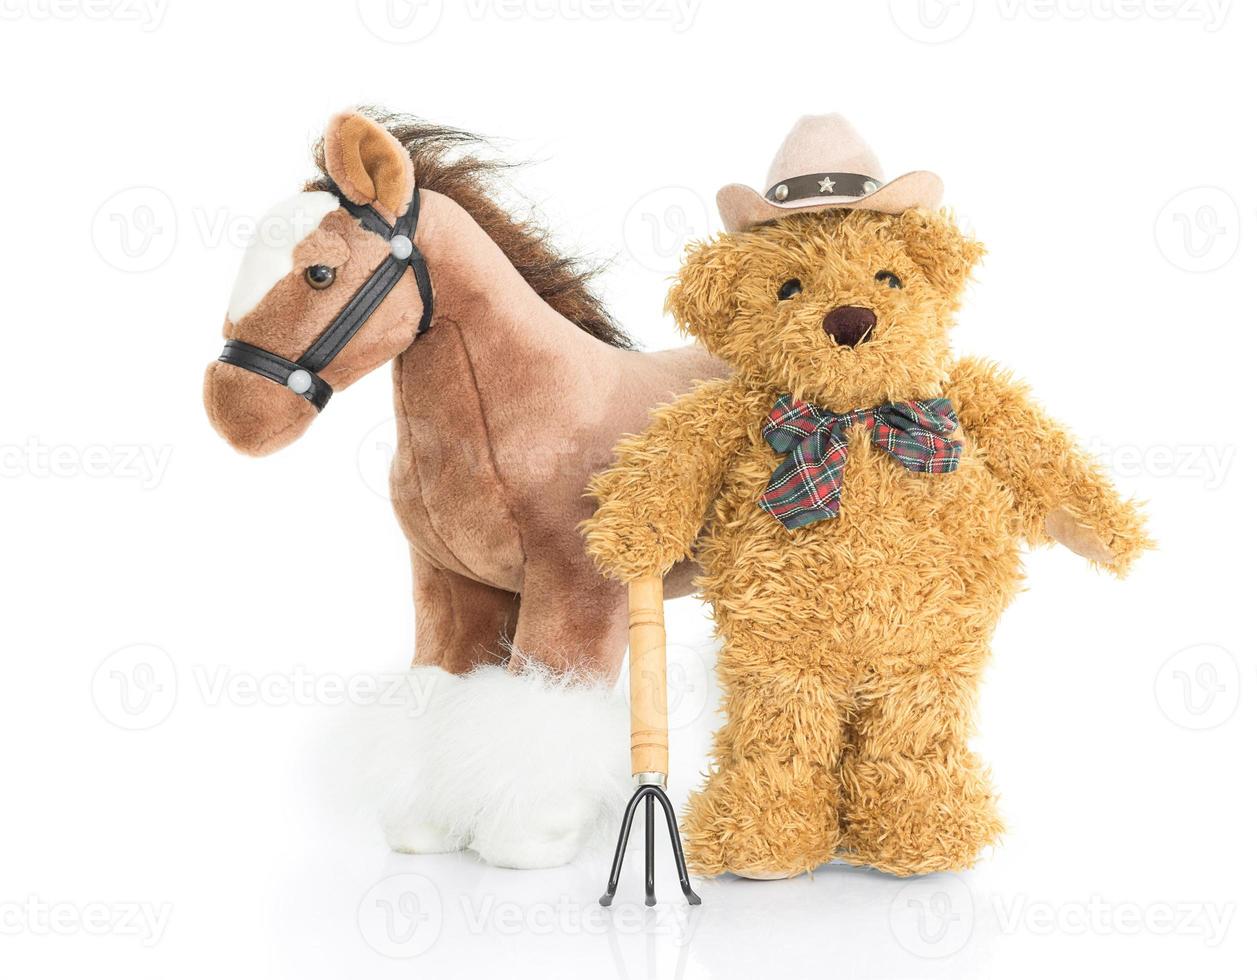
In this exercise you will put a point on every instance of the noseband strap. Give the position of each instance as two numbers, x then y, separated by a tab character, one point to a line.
302	375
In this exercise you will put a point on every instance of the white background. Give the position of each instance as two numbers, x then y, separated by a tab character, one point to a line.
1104	151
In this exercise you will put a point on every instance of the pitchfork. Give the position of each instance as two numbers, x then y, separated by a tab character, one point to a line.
648	700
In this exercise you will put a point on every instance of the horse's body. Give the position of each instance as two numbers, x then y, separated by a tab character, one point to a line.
510	388
504	411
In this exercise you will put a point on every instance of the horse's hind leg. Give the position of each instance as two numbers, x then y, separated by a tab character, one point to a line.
460	624
571	623
560	755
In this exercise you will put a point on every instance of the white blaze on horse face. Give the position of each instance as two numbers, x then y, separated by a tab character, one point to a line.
269	256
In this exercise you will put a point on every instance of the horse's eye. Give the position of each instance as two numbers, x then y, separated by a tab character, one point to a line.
789	289
320	276
891	280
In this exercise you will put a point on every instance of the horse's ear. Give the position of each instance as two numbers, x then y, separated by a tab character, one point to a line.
368	164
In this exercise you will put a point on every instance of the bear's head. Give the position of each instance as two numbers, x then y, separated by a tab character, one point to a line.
847	309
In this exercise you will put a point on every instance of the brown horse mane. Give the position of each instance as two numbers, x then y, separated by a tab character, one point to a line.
446	161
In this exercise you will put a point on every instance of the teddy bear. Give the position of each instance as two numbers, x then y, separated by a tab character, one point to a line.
857	497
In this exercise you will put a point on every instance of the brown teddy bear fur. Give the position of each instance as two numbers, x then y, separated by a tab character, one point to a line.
853	646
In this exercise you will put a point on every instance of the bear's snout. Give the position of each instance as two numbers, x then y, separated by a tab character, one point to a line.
850	325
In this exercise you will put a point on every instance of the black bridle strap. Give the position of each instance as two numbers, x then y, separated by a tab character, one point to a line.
277	369
302	376
350	319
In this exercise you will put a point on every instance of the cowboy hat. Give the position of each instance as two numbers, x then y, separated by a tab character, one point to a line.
823	163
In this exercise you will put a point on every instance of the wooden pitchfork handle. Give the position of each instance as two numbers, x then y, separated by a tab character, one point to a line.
648	708
648	681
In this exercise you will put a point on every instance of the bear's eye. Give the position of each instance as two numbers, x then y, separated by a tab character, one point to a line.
789	289
891	280
320	276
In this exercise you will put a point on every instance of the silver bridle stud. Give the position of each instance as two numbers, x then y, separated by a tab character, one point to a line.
299	382
400	246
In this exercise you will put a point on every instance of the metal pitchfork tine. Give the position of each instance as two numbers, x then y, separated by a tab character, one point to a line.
648	700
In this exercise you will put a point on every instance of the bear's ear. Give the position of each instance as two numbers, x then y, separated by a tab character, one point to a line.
939	248
701	299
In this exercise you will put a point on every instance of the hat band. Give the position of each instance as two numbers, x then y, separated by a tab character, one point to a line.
822	185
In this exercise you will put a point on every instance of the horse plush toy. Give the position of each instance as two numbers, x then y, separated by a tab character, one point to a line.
511	385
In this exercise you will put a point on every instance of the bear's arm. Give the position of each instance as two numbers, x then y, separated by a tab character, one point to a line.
1061	493
654	498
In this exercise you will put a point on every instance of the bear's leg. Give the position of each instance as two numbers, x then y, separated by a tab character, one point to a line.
769	807
915	799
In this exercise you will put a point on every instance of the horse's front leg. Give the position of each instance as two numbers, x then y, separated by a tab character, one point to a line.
460	624
547	764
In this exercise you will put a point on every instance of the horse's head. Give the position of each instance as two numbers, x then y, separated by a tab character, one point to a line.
325	293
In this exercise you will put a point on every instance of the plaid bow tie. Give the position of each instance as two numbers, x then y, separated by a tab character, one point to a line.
807	486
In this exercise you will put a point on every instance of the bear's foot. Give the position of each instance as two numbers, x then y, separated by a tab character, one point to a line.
911	816
764	875
762	819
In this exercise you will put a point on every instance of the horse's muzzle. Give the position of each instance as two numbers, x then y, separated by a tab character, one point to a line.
256	415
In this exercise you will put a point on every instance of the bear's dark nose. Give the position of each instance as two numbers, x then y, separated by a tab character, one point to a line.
850	325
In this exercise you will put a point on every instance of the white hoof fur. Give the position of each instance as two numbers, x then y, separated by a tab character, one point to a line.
522	767
421	838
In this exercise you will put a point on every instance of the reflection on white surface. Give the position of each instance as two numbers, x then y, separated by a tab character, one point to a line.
1032	908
